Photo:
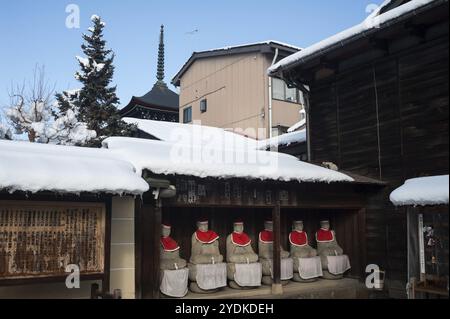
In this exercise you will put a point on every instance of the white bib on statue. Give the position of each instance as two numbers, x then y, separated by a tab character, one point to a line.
309	268
337	265
210	277
175	283
248	275
287	269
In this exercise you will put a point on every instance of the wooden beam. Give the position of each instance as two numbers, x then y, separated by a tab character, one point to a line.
157	221
277	288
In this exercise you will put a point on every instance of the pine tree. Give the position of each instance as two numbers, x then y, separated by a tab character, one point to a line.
96	101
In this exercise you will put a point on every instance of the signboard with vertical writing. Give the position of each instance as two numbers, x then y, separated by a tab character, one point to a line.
39	239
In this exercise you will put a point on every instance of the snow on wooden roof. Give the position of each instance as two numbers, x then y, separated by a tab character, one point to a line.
284	140
217	162
193	134
424	191
33	167
374	22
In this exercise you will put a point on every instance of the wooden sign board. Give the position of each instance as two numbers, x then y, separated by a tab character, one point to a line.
39	239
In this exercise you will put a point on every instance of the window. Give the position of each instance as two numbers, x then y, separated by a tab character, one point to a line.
203	106
278	89
283	93
187	115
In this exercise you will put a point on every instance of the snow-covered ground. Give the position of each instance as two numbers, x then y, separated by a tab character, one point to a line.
422	191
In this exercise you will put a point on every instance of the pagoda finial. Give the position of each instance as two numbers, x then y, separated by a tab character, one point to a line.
160	73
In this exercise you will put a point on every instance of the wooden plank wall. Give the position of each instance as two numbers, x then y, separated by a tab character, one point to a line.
412	90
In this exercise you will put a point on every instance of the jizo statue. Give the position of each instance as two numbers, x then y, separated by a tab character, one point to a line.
265	247
174	279
240	252
170	251
327	246
301	249
205	251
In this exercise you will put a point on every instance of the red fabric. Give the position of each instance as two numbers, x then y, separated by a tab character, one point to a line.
240	239
298	238
169	244
266	236
207	237
323	235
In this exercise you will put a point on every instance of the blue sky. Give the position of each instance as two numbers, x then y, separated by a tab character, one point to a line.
35	32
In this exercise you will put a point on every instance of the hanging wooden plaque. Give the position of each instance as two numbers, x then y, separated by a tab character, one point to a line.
39	239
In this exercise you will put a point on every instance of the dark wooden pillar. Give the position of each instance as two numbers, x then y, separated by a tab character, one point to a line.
148	234
156	244
277	288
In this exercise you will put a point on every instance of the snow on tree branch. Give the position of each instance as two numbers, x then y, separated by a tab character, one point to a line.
32	111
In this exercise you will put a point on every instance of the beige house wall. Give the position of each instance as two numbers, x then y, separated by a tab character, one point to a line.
237	90
122	263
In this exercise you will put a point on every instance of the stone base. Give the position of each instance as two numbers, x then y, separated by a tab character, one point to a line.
232	284
329	276
297	278
196	289
267	280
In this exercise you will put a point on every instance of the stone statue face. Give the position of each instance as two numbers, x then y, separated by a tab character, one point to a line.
166	231
325	224
268	226
298	226
204	227
239	228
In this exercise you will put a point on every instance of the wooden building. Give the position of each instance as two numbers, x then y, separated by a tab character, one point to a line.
63	207
161	103
254	191
229	88
426	202
378	106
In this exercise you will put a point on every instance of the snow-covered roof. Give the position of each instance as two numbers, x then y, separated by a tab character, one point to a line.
193	134
34	167
211	161
424	191
374	22
283	140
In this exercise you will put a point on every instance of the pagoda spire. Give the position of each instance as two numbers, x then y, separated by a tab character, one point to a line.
160	72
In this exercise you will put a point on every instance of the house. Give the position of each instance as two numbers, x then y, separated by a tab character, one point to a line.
378	105
62	206
160	103
229	88
426	202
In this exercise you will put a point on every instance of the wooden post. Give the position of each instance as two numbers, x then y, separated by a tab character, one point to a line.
277	288
157	221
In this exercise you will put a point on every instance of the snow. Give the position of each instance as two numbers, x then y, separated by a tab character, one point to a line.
193	134
256	43
35	167
88	65
422	191
300	124
373	22
200	135
283	140
94	17
211	161
297	126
